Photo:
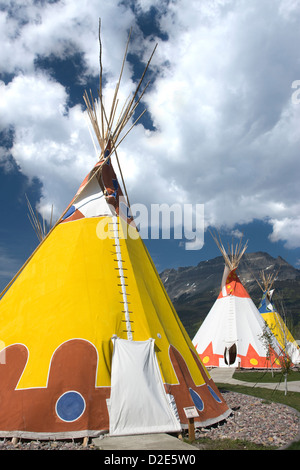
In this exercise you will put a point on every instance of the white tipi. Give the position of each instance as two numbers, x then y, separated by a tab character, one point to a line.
231	334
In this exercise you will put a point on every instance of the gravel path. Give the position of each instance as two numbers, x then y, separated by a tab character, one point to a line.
253	419
256	420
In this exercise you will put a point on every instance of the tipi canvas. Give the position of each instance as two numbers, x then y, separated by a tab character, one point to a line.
91	341
274	320
231	334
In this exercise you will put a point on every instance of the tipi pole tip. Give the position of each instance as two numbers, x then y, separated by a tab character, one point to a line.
234	253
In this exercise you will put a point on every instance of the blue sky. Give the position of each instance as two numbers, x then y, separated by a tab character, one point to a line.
222	127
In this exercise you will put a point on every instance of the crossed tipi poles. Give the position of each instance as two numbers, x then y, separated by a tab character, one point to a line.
110	128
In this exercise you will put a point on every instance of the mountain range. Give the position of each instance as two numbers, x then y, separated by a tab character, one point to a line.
194	289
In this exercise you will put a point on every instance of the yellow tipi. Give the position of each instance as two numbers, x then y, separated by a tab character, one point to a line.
274	320
92	343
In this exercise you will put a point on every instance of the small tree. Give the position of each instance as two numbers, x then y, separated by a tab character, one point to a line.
268	339
276	324
286	365
285	359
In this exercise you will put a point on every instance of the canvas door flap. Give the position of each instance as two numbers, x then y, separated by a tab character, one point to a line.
138	402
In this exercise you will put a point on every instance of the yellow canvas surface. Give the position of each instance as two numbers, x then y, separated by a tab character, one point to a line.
70	289
278	328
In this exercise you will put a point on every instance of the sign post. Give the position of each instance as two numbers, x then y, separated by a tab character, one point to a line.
191	413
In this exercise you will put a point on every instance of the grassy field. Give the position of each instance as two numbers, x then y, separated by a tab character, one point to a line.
291	399
267	377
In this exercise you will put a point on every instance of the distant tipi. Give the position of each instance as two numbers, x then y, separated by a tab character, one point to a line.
231	334
274	320
91	341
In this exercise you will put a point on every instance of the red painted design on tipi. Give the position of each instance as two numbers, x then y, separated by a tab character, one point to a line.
234	286
73	368
254	360
209	358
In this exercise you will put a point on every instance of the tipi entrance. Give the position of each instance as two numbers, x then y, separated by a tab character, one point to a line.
138	401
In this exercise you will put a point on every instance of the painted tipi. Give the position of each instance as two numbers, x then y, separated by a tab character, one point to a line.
91	342
232	332
274	320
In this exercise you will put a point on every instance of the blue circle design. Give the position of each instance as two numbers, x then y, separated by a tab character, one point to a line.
70	406
213	393
198	402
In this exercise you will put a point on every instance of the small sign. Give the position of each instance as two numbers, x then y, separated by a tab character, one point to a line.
191	412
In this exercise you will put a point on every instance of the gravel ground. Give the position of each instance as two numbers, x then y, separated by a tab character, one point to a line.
253	419
22	444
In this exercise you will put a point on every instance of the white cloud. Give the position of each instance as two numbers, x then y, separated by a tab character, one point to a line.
50	142
288	230
230	130
30	29
227	130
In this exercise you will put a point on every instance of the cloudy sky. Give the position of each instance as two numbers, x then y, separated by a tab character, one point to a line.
222	128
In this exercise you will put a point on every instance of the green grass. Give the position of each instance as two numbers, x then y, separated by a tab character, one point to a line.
266	376
292	399
205	443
